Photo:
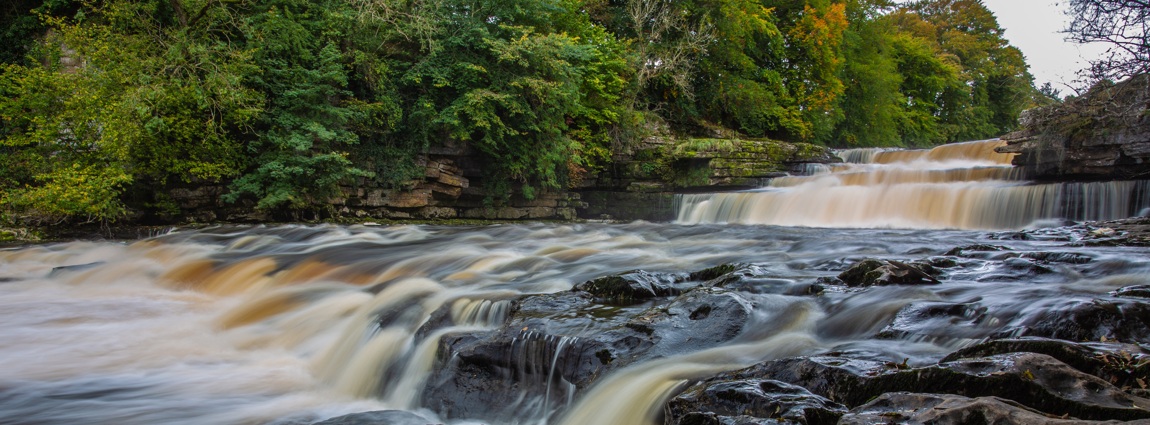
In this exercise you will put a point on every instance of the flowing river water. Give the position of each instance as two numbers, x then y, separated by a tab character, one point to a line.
295	324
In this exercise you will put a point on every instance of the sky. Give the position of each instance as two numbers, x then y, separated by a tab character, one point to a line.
1035	26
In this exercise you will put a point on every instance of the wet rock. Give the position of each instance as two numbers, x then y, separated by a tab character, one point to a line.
973	250
501	373
766	285
554	346
1126	366
1058	257
1134	291
750	401
717	272
1087	320
699	319
1134	231
872	272
1012	236
379	417
942	262
938	322
713	419
1128	232
1011	267
1035	380
631	287
1021	267
754	279
950	409
57	271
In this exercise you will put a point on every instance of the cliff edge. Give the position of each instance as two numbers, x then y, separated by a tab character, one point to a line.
1102	135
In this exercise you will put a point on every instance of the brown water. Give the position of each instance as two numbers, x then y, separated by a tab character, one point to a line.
255	325
958	186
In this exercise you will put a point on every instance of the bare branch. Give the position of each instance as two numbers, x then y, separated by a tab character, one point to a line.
1121	25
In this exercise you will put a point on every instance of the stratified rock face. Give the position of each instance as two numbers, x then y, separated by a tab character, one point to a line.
1102	135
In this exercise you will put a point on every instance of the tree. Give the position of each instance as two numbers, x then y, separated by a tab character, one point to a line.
304	134
145	99
996	83
1122	26
523	84
872	103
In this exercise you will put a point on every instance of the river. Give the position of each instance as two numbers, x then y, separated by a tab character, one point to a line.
295	324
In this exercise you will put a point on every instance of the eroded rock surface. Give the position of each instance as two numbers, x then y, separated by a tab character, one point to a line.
950	409
1037	381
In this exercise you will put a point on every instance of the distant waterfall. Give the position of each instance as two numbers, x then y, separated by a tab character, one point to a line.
962	185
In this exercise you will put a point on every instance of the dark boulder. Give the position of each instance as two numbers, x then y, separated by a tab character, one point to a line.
500	373
872	272
950	409
632	287
750	401
719	271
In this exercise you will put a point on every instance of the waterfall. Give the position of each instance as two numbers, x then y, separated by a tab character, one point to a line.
960	186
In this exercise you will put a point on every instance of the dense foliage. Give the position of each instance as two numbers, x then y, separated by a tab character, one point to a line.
105	103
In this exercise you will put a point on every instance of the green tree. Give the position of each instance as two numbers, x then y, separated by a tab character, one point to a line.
304	135
999	85
872	103
773	68
515	81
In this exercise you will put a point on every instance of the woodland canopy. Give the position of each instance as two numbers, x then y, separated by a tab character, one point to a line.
107	102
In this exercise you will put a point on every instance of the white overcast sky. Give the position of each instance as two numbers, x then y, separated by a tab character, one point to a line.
1035	26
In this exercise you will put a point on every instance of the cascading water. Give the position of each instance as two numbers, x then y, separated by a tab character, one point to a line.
465	325
960	186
